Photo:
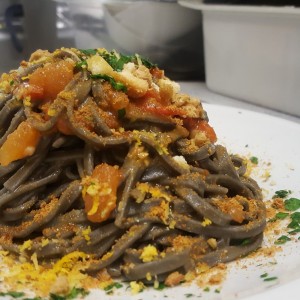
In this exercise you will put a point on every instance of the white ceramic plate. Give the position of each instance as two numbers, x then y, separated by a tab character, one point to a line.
276	143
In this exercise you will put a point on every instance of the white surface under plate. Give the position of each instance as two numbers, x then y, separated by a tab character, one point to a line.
275	142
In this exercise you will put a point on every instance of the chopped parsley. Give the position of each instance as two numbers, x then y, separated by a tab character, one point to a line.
264	275
74	293
296	216
88	51
281	194
81	64
292	204
295	223
279	216
282	240
270	278
109	289
147	63
297	230
254	160
121	113
12	294
119	86
160	286
245	242
118	60
207	289
189	295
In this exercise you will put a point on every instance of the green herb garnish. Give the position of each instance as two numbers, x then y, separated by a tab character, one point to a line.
119	86
74	293
207	289
161	286
270	278
292	204
296	216
121	113
282	240
57	297
81	64
297	230
254	160
110	287
281	194
88	52
148	63
118	60
245	242
188	295
266	277
295	223
12	294
279	216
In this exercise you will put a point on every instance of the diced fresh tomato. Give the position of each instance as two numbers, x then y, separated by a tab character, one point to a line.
52	78
35	92
154	106
19	144
152	94
194	125
63	126
100	192
157	73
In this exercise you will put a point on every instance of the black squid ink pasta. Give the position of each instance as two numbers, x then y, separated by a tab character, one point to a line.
102	155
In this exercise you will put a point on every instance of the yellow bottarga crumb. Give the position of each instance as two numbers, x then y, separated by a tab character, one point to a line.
27	101
149	253
86	233
154	191
26	245
148	276
206	222
136	287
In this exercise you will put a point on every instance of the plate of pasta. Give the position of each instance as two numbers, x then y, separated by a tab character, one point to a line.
115	184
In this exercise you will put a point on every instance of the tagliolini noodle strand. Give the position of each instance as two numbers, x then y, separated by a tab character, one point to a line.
102	154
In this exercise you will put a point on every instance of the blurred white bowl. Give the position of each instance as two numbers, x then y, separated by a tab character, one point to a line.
163	31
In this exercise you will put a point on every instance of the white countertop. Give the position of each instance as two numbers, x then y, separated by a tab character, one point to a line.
200	90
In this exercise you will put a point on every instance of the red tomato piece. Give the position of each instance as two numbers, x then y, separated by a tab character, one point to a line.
194	125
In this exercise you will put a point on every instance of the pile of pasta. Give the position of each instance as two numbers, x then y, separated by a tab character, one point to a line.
101	154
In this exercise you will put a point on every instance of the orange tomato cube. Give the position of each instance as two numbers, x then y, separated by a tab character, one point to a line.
19	144
100	192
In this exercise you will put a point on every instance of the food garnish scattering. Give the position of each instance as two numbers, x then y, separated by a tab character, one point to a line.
109	172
